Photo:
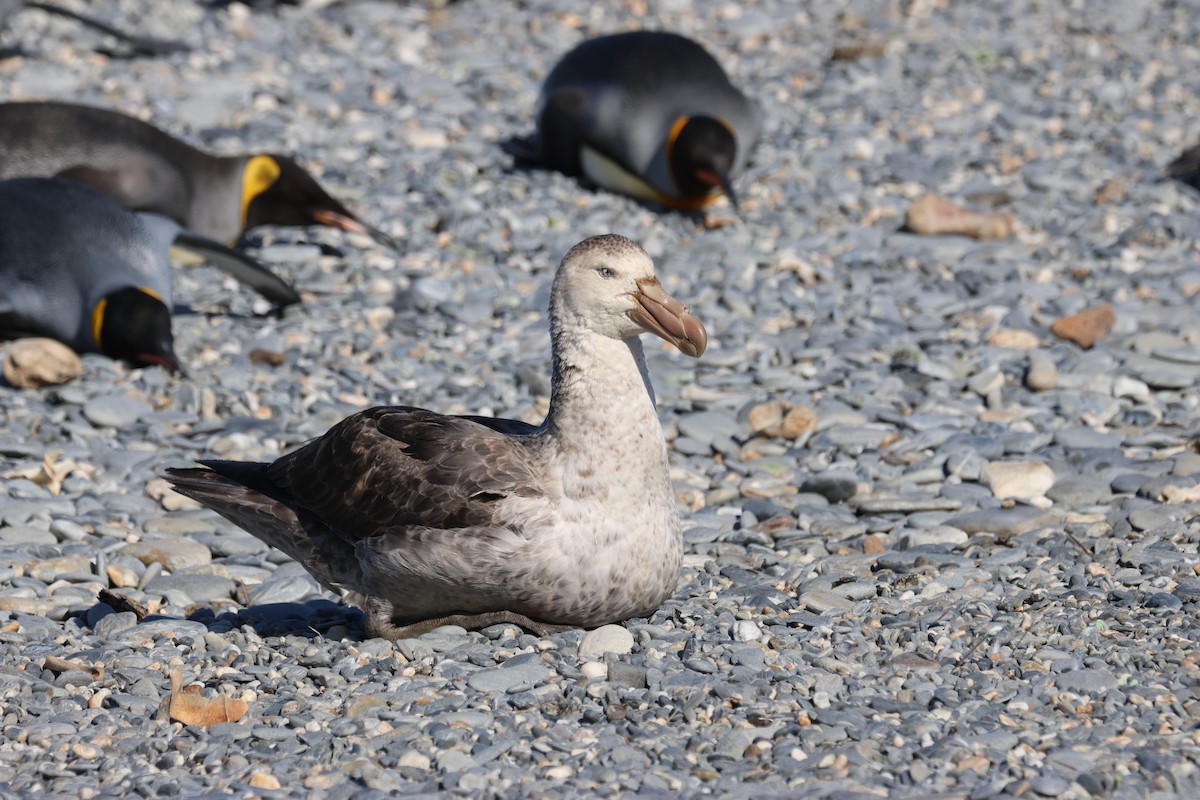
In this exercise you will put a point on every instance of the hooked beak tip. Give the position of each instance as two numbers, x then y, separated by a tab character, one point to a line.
348	222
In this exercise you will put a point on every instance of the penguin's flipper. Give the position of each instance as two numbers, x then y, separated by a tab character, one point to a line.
525	149
242	267
142	45
559	126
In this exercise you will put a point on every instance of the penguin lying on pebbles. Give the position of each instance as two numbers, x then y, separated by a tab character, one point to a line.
145	169
143	45
76	267
648	114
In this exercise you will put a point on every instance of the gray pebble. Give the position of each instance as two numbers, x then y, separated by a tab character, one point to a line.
114	410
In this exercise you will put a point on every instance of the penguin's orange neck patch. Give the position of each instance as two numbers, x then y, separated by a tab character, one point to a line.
98	322
151	292
100	310
676	128
258	175
689	204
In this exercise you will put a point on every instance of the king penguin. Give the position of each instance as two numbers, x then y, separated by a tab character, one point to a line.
649	114
77	267
145	169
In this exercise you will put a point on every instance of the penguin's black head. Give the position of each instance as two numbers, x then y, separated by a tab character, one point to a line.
134	325
278	191
701	152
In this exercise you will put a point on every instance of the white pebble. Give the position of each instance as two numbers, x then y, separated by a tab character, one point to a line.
594	669
745	630
606	639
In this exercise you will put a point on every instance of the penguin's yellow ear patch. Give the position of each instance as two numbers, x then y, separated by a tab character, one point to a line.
260	172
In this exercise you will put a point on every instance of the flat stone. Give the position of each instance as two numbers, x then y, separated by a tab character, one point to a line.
170	628
629	675
198	588
498	680
904	505
114	410
172	554
53	569
1079	490
707	426
834	487
1088	439
919	537
23	534
1086	681
1129	482
1019	479
1001	521
111	625
819	601
1148	518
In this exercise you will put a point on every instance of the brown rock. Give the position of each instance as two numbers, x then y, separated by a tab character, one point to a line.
936	216
781	418
852	51
1110	191
190	707
264	780
33	363
767	418
797	421
1087	327
874	544
270	357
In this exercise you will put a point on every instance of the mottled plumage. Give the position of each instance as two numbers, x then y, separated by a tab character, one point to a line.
422	519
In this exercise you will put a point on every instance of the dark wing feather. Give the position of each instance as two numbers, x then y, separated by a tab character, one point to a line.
390	468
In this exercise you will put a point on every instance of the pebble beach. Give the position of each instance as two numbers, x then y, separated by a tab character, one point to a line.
941	492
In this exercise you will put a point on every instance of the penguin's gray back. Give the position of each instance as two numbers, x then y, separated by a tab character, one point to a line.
638	84
63	247
135	163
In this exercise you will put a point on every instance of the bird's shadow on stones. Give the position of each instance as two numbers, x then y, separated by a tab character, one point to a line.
312	619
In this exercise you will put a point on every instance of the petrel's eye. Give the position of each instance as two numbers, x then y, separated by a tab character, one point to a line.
605	272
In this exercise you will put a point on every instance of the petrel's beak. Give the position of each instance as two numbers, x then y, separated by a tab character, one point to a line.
666	317
348	222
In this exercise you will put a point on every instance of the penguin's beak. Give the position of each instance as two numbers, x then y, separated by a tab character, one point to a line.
166	359
346	221
719	179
